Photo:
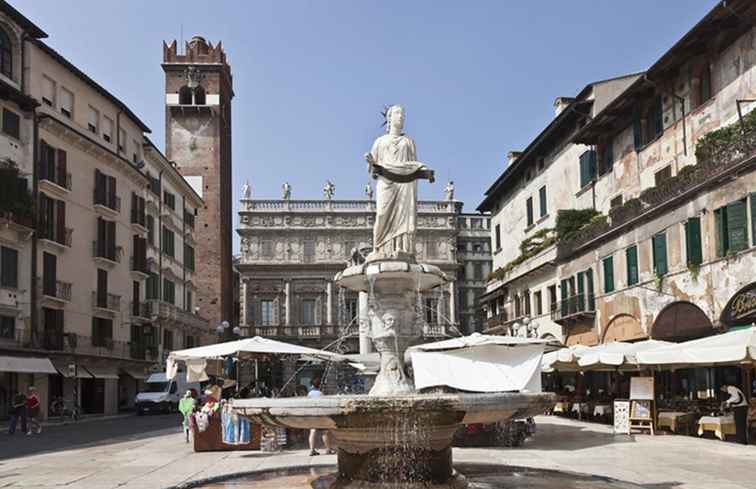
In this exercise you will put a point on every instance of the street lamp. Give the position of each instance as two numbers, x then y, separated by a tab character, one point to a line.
224	326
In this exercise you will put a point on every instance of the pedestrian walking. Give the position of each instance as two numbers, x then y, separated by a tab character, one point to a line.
315	392
739	405
18	413
32	411
186	407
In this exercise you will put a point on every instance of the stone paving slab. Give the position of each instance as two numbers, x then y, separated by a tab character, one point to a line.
165	461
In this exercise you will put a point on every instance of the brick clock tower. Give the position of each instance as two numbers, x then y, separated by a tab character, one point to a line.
198	93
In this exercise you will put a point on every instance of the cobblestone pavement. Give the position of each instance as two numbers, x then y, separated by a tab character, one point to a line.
149	453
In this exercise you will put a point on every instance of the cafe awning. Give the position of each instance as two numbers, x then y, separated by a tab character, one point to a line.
27	365
135	373
731	348
606	356
62	368
102	372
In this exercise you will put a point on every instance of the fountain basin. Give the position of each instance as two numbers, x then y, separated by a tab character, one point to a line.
394	440
421	276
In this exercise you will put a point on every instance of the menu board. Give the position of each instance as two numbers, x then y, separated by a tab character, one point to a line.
642	388
621	416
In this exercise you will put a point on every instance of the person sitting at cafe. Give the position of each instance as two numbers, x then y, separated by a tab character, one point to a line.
739	405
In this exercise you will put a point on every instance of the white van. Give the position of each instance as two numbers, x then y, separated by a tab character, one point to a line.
162	395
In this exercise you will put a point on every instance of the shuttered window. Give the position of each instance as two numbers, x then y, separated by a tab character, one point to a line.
8	267
153	286
589	282
659	245
631	257
731	223
693	241
529	210
563	295
542	200
169	291
608	274
587	167
169	242
753	217
581	291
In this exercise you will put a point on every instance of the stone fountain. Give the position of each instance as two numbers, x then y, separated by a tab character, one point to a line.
394	437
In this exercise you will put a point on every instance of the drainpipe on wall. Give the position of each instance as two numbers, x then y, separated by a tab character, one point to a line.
36	118
160	258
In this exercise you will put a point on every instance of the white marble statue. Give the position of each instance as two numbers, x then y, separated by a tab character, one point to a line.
392	161
246	191
328	190
368	191
449	190
286	191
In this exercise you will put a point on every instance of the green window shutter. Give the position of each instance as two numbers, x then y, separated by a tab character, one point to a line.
542	198
637	131
720	223
660	253
563	293
593	164
585	169
631	255
753	217
589	280
737	225
608	274
529	210
693	241
658	116
581	291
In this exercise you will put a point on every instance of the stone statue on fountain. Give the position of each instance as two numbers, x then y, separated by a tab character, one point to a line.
392	161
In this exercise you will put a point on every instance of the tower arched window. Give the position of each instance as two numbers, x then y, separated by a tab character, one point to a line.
199	95
185	95
6	55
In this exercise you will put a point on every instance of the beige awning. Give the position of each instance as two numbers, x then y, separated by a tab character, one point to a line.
103	372
27	365
135	373
62	367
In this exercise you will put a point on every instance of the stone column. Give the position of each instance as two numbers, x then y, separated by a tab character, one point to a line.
366	346
243	305
452	304
287	304
329	303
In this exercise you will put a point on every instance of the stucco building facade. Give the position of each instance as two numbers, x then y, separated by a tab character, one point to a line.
666	167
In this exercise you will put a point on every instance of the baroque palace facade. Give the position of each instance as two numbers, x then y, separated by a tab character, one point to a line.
292	249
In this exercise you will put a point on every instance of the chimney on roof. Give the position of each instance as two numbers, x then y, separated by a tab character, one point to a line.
512	157
561	103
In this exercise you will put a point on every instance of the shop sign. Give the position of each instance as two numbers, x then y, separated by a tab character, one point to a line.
742	307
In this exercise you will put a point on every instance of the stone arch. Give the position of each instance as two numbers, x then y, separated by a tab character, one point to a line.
10	51
185	95
623	327
681	321
199	95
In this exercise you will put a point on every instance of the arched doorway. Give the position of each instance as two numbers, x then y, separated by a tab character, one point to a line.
623	327
681	321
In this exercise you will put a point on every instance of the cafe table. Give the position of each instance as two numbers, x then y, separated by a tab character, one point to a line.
720	425
602	410
676	421
580	408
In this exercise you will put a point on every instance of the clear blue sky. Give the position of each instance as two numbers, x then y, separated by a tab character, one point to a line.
477	78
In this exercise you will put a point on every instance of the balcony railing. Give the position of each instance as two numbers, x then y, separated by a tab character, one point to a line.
434	330
62	236
111	202
111	302
141	309
139	218
138	264
309	331
189	218
59	180
168	312
101	251
576	307
60	290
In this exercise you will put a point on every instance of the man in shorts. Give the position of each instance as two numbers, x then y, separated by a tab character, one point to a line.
316	392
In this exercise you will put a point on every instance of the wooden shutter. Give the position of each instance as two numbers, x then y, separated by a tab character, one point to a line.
637	130
631	256
591	298
102	288
737	225
60	224
542	198
529	210
111	239
585	169
44	214
62	169
49	274
44	164
563	293
100	188
9	267
101	237
660	253
608	274
658	115
111	192
720	224
693	241
753	217
581	291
